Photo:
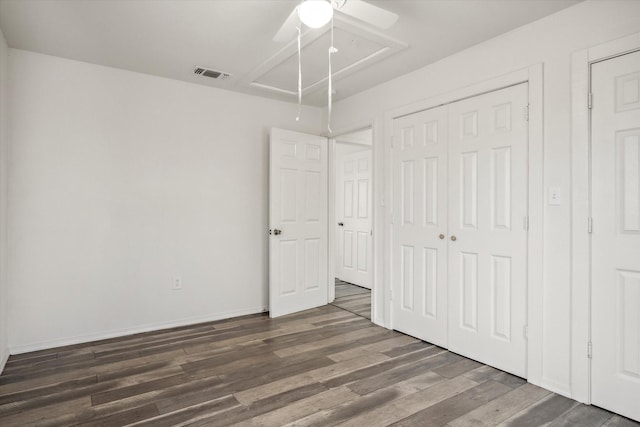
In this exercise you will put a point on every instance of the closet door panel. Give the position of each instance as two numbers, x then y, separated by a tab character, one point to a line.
419	247
487	249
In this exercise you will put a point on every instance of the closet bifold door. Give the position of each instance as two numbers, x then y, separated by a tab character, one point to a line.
487	244
419	229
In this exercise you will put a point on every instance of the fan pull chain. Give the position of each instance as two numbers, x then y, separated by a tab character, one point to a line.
332	50
299	74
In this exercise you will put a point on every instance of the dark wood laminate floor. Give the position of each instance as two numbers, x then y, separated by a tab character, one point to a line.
321	367
355	299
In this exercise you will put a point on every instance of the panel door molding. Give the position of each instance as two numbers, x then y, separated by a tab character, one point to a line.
354	255
487	261
615	278
460	211
298	222
420	228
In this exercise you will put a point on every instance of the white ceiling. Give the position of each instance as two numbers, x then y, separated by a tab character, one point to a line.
169	37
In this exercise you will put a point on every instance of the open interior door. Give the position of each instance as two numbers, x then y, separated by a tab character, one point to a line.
353	216
298	228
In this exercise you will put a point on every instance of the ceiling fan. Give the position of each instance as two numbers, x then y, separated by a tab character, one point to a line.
317	13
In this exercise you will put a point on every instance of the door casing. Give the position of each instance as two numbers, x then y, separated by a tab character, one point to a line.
581	207
356	222
382	154
332	207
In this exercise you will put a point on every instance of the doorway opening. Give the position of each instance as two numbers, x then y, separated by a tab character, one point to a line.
352	228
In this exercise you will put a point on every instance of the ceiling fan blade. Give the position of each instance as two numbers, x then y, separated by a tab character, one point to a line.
288	28
369	13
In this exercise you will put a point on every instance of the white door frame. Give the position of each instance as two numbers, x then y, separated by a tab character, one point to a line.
332	206
581	207
339	271
534	76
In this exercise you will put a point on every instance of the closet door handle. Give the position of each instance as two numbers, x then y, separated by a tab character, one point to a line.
441	236
453	238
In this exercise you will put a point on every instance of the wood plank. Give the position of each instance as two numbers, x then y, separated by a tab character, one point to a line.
583	416
191	413
482	373
124	418
350	409
380	346
304	408
457	368
47	415
436	358
136	389
620	421
406	349
232	342
342	368
502	408
442	412
382	367
244	414
206	389
391	411
336	339
272	371
58	399
36	392
272	388
543	412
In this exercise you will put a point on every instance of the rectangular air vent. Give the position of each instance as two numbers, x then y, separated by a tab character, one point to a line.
219	75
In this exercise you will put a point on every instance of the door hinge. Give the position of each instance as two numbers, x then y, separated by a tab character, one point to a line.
526	331
391	218
390	294
526	113
590	100
589	225
589	350
526	223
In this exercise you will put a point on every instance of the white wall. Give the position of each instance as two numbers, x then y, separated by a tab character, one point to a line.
118	181
550	41
4	331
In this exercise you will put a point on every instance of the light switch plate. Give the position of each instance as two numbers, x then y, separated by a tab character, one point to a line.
555	196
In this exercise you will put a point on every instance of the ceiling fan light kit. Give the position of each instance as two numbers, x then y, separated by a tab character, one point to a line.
315	13
318	13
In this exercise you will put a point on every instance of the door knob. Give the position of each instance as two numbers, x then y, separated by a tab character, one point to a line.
277	232
341	224
453	238
441	236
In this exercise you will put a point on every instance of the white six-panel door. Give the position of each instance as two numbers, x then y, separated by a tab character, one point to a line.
615	321
354	218
459	227
297	222
487	257
420	225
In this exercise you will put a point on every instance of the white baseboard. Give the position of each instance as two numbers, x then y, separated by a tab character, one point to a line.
554	386
130	331
380	322
3	359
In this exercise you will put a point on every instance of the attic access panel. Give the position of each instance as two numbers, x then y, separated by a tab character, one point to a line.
315	60
358	47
